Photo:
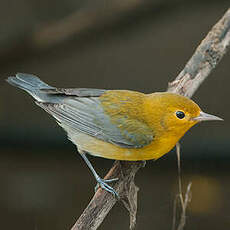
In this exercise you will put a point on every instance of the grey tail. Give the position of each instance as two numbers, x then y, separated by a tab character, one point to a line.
29	83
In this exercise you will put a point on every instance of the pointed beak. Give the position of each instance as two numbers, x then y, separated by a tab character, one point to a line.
207	117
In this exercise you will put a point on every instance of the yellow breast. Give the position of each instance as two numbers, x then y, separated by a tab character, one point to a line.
96	147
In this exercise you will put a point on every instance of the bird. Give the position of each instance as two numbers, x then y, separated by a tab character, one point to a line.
115	124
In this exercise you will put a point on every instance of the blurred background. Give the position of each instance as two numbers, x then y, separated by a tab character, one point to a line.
113	44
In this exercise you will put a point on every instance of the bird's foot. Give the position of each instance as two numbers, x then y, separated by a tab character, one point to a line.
103	184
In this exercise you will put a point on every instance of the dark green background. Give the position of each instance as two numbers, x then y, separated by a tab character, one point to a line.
44	183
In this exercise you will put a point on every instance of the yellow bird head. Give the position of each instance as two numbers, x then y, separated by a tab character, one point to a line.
176	114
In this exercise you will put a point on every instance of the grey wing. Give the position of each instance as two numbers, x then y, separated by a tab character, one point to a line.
80	92
86	115
45	93
79	110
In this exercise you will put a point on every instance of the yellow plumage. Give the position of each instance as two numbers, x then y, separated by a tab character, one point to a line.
157	113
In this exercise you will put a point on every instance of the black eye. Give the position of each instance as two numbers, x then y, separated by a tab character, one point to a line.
180	114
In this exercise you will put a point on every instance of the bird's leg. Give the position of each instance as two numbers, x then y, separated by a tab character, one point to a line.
100	182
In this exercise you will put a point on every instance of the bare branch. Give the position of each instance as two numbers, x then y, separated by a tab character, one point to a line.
183	201
102	202
204	60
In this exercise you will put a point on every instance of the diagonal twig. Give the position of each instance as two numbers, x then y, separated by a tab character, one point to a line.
207	55
204	60
183	201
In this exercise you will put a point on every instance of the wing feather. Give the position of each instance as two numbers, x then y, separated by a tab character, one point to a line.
86	114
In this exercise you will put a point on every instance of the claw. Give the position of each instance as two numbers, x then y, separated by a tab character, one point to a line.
103	184
100	182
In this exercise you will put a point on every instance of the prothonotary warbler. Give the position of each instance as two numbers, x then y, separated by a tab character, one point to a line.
116	124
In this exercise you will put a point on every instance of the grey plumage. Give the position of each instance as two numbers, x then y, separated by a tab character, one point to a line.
28	82
46	93
32	85
77	110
